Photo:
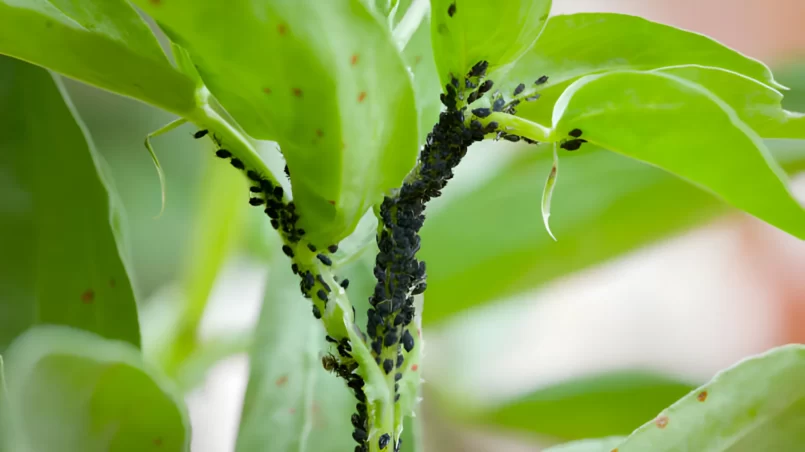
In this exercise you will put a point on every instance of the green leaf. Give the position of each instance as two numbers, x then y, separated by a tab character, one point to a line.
601	195
101	42
678	126
419	57
575	45
63	265
323	79
588	445
291	403
758	105
601	405
465	32
758	404
71	390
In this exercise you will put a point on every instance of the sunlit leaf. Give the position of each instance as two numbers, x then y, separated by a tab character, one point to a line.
73	391
680	127
61	262
575	45
758	404
101	42
602	195
588	445
465	32
324	79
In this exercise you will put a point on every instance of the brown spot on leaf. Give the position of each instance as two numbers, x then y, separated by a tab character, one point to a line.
417	59
155	2
702	396
361	96
281	380
331	201
157	442
661	421
292	410
354	59
615	450
319	133
112	282
414	368
282	29
297	92
88	296
267	90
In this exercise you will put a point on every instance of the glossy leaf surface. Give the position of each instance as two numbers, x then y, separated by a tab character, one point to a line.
324	79
575	45
678	126
73	391
465	32
62	262
101	42
758	404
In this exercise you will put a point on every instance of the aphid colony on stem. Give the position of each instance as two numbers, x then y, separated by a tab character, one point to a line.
400	276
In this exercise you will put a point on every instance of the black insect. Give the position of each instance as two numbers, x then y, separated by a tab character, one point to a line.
383	441
200	134
272	213
254	175
311	247
359	435
485	86
520	88
324	259
397	376
316	312
257	201
479	69
300	231
450	11
255	189
357	421
390	339
287	250
397	398
275	224
542	80
388	366
575	133
420	288
223	153
322	295
400	358
278	192
377	347
407	341
498	104
482	112
287	172
323	283
572	145
237	163
332	248
294	268
512	138
345	284
532	98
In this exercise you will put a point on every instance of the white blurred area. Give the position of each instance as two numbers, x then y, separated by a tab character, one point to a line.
688	306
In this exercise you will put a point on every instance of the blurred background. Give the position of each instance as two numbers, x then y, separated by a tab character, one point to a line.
652	287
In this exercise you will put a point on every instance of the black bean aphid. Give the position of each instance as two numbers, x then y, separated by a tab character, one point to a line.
237	163
407	341
520	88
377	347
278	192
482	112
400	359
311	247
294	268
345	284
322	295
388	366
512	138
479	69
575	133
390	339
287	250
332	248
450	11
324	259
257	201
359	435
485	86
532	98
223	153
384	439
254	175
572	145
255	189
200	134
316	312
275	224
397	398
498	104
542	80
397	376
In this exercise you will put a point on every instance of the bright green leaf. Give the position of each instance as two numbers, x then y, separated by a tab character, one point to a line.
465	32
73	391
575	45
323	79
419	57
291	403
758	105
588	445
758	404
63	265
608	404
601	195
678	126
101	42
